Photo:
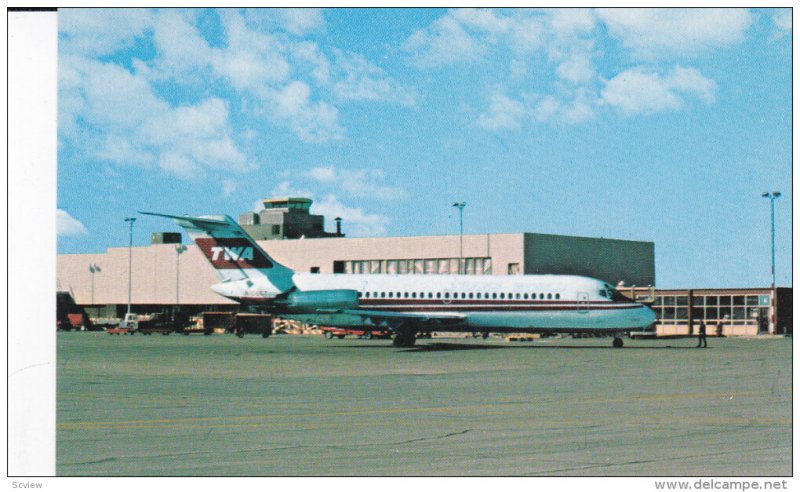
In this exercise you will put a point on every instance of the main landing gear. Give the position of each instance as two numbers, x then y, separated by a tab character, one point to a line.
404	339
617	342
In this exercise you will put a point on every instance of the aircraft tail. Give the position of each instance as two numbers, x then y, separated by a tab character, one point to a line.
233	254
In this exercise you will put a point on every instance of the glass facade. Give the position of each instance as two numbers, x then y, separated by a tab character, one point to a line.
730	309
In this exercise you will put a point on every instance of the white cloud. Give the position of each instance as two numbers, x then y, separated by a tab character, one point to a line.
446	41
580	110
360	80
318	65
576	69
324	174
228	188
504	113
653	33
68	226
123	121
121	149
183	53
288	80
569	40
193	138
108	96
691	82
464	35
311	121
564	36
639	90
483	20
297	21
569	23
355	222
529	33
546	108
101	31
251	59
361	183
287	189
782	18
301	21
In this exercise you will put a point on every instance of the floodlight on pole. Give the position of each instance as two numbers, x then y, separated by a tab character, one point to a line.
772	197
93	268
130	221
179	249
460	206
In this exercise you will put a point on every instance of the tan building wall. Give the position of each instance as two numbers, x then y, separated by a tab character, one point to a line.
303	254
154	279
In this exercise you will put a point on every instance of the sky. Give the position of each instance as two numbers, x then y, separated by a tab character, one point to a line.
661	125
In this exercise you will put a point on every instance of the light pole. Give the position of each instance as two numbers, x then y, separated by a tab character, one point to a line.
460	206
178	250
130	221
94	269
772	197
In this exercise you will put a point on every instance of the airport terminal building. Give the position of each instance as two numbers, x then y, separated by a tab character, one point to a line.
167	275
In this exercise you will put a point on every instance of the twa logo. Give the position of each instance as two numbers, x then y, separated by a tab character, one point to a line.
232	253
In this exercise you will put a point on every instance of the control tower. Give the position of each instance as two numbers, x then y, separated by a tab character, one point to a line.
286	218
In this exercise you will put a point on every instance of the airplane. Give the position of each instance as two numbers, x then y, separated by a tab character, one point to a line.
408	305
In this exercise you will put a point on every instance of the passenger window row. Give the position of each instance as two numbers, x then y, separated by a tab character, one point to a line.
458	295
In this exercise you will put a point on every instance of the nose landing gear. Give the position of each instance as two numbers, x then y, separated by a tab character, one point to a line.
404	339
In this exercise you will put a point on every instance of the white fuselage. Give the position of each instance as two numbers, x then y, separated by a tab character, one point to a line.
534	303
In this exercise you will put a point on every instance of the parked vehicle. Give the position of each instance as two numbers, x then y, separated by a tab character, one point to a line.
70	316
147	324
366	333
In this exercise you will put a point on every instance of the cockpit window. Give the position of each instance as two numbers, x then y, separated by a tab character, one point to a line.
613	294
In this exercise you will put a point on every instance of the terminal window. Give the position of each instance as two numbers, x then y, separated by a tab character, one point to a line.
735	310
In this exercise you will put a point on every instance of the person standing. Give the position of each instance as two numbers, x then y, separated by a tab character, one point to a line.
701	335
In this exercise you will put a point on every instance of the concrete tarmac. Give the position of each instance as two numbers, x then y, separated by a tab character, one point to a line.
307	406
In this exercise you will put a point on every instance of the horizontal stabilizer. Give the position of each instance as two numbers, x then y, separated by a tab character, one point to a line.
185	217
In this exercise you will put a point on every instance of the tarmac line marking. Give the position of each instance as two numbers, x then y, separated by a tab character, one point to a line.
653	420
152	422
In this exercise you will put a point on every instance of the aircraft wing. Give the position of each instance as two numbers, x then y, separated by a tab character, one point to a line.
393	318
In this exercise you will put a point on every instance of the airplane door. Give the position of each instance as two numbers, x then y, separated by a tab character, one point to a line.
583	302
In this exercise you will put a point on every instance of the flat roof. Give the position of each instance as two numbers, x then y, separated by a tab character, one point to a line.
287	200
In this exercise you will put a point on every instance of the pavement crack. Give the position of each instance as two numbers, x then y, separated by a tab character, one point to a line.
432	438
400	443
93	462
